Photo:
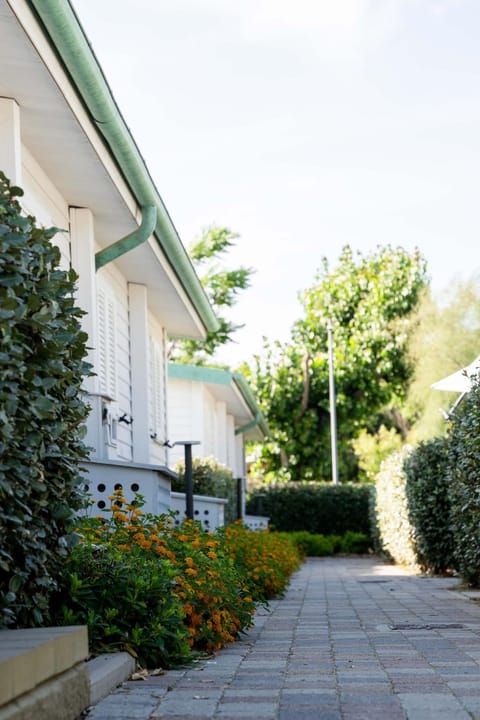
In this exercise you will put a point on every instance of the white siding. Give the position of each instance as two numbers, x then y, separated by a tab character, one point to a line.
113	285
230	438
209	439
186	417
157	393
44	201
221	432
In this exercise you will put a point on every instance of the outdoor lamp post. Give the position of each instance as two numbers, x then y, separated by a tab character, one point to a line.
188	475
333	406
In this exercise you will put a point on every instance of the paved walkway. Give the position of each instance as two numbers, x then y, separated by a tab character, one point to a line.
353	639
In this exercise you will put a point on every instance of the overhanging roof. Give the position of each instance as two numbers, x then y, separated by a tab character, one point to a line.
460	381
231	388
74	129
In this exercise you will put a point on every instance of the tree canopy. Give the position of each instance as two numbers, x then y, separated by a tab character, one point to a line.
222	286
369	300
446	337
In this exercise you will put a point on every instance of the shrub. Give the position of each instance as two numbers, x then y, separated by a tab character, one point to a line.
464	483
428	501
318	545
128	602
315	507
266	559
313	545
354	543
394	535
213	479
142	584
42	413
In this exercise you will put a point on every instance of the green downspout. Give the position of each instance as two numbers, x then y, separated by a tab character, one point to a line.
131	241
249	426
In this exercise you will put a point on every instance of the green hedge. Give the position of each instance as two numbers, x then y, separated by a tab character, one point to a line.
315	507
464	485
427	492
318	545
393	532
213	479
41	413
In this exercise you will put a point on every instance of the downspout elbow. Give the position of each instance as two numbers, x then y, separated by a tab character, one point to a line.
130	241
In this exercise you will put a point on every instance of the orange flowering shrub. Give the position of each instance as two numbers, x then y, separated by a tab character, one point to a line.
264	558
165	592
215	596
211	594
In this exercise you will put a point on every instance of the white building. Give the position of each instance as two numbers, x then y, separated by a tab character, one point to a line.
64	141
216	409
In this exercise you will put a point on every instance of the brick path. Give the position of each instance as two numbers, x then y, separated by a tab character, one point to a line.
353	639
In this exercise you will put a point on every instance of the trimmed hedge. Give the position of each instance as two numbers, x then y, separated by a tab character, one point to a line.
427	493
42	413
464	485
315	507
213	479
394	534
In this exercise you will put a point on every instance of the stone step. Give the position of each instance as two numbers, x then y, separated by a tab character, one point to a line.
106	672
43	673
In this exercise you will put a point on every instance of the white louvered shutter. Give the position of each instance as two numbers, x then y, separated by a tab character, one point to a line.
157	397
107	361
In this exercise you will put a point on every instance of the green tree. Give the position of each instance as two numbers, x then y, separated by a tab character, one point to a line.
221	285
369	300
446	337
42	413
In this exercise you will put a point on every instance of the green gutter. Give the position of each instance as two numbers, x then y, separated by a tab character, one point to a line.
71	45
131	241
249	426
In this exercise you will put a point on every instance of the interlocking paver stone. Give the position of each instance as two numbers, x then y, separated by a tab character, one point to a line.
353	639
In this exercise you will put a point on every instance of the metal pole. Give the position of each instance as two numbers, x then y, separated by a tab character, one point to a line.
333	407
188	482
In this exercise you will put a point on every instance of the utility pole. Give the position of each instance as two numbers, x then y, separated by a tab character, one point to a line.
333	405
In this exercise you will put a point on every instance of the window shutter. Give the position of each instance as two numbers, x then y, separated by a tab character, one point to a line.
107	366
156	389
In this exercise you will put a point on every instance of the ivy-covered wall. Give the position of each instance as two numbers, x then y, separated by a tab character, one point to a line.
42	413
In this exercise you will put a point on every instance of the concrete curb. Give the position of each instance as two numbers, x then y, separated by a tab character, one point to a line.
106	672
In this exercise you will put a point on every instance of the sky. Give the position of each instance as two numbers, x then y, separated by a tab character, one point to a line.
303	126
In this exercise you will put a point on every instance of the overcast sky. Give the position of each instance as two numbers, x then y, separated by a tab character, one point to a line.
304	125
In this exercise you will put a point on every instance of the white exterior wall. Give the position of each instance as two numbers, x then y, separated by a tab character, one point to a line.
194	414
41	199
209	425
186	417
114	288
231	461
157	394
45	202
221	432
239	470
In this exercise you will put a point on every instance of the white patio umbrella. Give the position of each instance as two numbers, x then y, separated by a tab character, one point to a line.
460	381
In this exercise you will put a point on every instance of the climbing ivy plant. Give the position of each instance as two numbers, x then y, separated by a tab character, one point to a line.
42	412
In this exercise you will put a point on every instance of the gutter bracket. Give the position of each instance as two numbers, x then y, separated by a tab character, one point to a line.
130	241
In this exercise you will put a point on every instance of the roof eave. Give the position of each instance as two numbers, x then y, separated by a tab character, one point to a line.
67	37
